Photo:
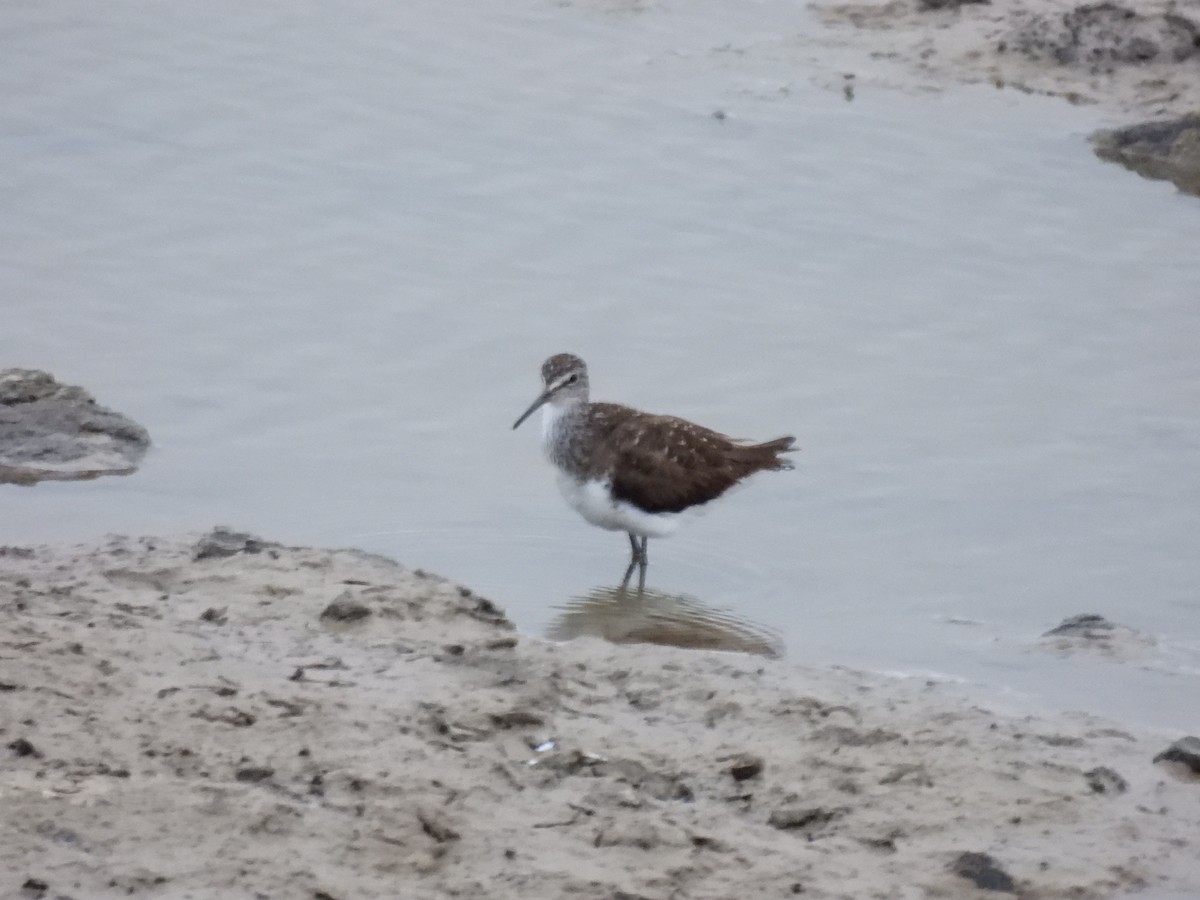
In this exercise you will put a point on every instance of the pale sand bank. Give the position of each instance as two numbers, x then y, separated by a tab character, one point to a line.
176	726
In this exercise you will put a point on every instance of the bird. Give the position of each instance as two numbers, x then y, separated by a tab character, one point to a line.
627	470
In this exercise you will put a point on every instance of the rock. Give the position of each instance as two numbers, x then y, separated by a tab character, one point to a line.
928	5
798	818
231	716
1185	752
484	610
1095	634
746	766
1104	780
1087	625
1101	37
517	718
345	609
22	747
53	431
436	827
984	872
254	774
1169	150
223	541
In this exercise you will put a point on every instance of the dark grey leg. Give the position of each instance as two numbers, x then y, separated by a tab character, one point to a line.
637	560
635	550
628	573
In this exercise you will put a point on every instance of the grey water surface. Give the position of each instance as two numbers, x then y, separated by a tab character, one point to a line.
320	251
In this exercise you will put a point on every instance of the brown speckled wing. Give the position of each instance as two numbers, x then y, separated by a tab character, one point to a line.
662	464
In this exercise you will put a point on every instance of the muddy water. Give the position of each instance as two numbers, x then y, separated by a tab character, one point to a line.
320	255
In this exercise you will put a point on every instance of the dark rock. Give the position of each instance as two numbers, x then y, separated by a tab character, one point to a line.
565	762
214	615
807	819
345	609
222	541
1169	151
231	716
517	718
1059	740
746	766
928	5
22	747
34	888
52	431
1087	625
254	774
984	872
486	611
288	709
1104	780
1185	752
1093	634
436	827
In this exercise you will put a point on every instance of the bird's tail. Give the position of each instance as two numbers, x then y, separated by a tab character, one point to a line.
767	454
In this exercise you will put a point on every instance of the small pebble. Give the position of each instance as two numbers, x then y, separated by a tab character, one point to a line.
254	773
746	766
984	872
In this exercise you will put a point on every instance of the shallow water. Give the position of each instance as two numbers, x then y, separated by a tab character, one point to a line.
321	254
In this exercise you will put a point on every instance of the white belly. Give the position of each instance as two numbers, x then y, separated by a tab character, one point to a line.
592	501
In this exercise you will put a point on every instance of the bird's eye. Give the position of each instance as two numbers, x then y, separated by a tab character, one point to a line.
572	379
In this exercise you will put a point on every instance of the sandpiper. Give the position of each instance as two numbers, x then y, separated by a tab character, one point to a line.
627	470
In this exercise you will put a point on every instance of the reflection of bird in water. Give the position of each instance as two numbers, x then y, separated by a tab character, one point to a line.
625	616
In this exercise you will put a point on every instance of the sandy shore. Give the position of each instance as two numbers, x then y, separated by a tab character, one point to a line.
1138	59
223	717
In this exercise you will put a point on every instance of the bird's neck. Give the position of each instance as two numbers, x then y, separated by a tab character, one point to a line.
562	419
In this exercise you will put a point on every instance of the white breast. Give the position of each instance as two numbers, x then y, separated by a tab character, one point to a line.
592	498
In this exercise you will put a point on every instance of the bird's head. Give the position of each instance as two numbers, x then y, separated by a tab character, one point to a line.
564	381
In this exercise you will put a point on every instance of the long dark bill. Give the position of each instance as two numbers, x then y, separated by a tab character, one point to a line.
532	409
